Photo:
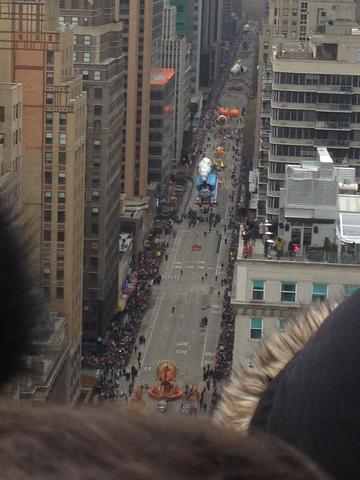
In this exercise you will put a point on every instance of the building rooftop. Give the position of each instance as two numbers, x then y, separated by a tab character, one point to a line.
161	76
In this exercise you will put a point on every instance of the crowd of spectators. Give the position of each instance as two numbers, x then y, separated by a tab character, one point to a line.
114	352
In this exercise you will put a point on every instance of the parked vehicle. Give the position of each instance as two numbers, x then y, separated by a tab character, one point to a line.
162	406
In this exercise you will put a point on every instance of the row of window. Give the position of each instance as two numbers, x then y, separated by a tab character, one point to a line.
316	79
15	140
288	291
49	136
16	112
256	328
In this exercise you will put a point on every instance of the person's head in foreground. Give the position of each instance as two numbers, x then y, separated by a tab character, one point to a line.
101	444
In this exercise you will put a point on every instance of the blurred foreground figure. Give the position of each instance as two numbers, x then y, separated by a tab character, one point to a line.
304	387
64	444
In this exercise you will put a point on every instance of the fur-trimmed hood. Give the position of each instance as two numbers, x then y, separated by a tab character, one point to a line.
305	388
241	396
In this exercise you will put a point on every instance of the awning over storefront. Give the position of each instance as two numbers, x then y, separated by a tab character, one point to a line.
348	227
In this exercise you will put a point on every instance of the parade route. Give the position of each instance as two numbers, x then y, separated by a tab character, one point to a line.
191	280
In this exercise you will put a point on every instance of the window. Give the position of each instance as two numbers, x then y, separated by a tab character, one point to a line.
85	74
94	211
98	93
62	158
97	110
61	216
2	114
46	273
60	236
350	289
87	40
94	261
74	57
61	197
49	78
282	324
48	138
319	292
47	235
47	215
256	328
50	57
2	138
288	292
62	178
49	99
87	57
59	292
59	274
97	75
48	177
49	118
62	138
75	20
95	195
97	145
258	287
62	119
47	196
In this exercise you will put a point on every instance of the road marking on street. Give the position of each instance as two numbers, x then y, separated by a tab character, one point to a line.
209	354
190	266
148	337
181	352
203	354
201	267
183	344
170	276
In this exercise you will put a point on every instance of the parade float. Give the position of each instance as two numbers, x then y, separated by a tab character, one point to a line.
206	183
166	371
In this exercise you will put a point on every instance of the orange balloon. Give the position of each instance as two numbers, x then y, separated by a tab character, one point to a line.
234	112
223	111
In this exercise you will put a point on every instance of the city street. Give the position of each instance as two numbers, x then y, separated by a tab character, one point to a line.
191	281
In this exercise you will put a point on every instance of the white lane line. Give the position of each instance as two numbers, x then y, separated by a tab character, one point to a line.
148	338
176	251
203	354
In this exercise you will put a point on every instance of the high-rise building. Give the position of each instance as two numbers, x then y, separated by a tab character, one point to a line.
37	53
176	55
162	124
314	104
330	19
189	24
297	19
139	46
157	29
211	35
11	107
98	59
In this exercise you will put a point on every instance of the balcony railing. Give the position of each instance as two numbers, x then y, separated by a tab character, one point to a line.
335	125
331	142
333	106
335	88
